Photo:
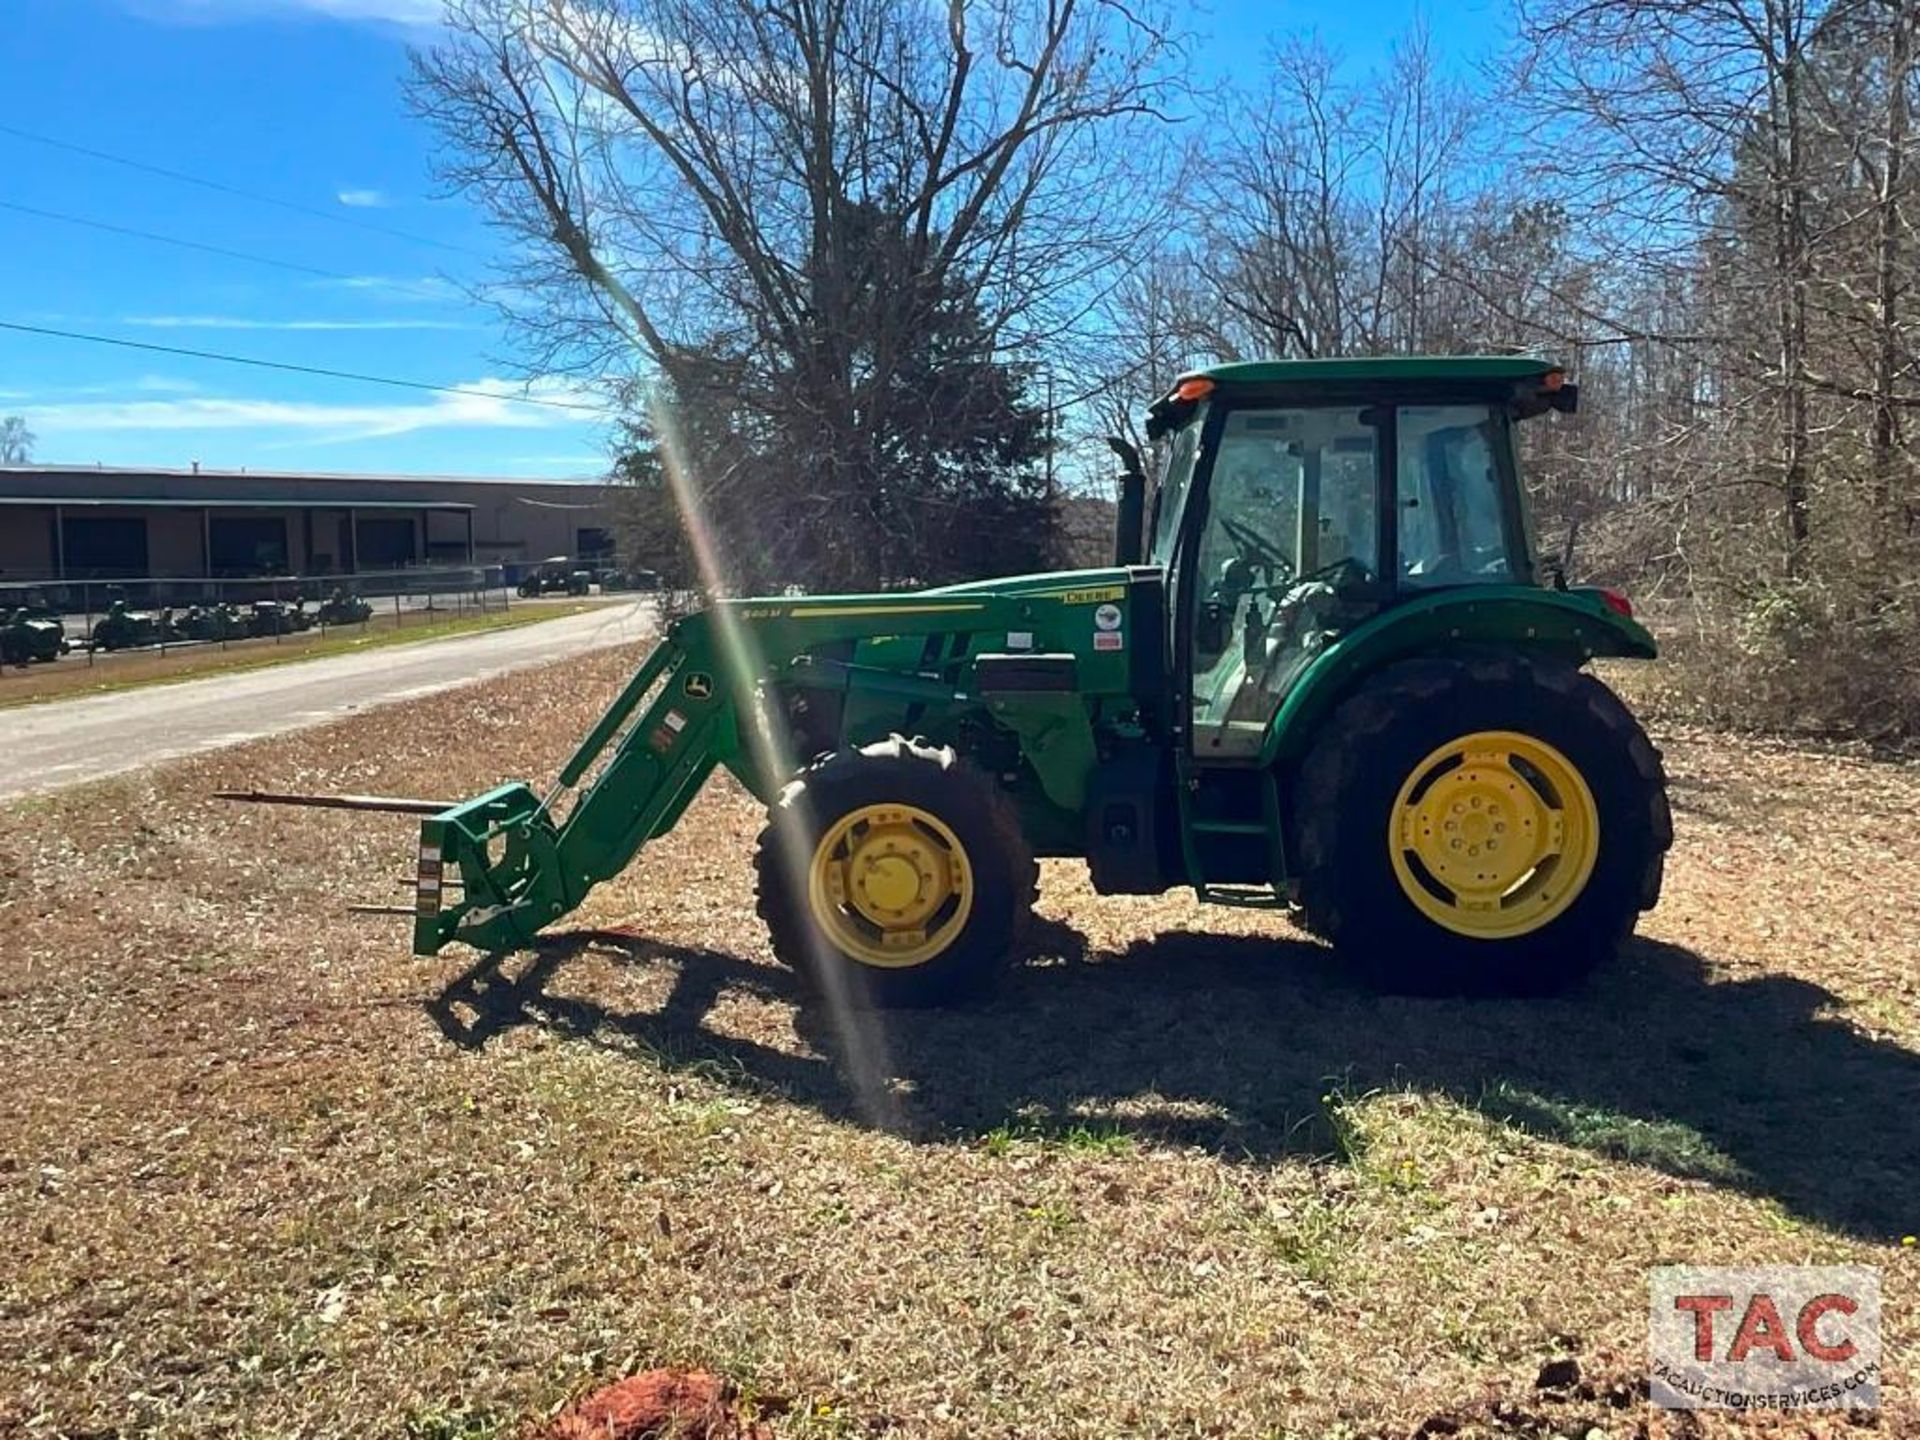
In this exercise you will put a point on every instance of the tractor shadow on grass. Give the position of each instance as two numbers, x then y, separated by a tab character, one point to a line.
1230	1043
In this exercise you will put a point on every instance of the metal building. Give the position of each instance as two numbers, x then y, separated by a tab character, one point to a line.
89	522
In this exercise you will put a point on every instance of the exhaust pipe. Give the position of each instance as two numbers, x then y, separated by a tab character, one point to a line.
1128	544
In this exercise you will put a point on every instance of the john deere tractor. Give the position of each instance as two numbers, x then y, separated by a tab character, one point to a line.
1323	675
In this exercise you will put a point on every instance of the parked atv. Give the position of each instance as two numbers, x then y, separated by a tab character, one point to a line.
613	581
31	633
278	617
556	576
210	623
124	629
341	608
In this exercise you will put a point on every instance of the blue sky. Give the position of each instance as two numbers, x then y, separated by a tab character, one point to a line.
300	100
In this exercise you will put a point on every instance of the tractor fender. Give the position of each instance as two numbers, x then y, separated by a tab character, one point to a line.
1572	625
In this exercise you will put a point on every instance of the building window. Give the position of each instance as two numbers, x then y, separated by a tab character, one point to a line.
384	543
240	545
104	547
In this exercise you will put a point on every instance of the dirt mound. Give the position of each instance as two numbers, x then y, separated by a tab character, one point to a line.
654	1405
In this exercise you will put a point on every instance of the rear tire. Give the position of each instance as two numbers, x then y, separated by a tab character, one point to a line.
940	844
1371	810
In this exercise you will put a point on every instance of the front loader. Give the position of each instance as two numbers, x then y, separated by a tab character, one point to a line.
1322	675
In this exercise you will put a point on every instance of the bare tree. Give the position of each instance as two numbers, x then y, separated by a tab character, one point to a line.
1739	174
16	441
1863	190
1892	248
1666	125
765	204
1326	199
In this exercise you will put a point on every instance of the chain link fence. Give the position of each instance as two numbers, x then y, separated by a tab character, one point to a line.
90	620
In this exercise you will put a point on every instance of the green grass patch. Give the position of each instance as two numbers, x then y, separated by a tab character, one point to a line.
1074	1138
1665	1144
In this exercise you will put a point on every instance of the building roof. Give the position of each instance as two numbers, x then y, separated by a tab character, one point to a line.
225	502
124	485
164	472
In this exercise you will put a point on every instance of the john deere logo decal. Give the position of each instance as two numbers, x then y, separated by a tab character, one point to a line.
698	685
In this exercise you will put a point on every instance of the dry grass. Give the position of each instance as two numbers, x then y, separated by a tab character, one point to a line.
262	1174
130	669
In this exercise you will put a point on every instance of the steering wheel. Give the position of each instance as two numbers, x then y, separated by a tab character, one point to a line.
1346	570
1260	550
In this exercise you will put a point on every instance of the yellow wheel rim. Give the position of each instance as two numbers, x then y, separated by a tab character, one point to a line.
890	885
1494	835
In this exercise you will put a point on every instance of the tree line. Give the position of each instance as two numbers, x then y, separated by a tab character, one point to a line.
872	279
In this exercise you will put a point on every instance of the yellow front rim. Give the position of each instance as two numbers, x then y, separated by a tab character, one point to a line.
1494	835
890	885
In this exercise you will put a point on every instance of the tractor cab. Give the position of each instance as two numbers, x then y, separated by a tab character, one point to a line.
1301	499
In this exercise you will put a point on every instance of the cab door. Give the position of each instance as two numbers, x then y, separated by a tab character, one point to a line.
1287	557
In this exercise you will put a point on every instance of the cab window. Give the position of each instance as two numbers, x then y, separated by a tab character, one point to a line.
1292	493
1171	492
1452	518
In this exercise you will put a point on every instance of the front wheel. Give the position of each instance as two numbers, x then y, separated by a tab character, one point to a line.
1489	825
895	875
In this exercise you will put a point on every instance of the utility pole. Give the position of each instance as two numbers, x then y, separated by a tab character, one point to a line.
1052	435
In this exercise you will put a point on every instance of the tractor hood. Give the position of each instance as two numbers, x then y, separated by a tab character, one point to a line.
1069	585
1007	602
1049	583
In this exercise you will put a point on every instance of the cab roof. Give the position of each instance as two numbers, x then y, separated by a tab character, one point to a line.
1531	385
1378	369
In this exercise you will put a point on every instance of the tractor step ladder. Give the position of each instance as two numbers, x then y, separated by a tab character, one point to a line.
1245	897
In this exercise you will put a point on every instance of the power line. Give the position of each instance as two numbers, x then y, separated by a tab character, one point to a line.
223	188
129	230
603	411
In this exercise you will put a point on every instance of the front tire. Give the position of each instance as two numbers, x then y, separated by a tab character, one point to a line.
1483	826
895	875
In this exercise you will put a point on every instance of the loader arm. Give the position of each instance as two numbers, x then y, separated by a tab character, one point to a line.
494	870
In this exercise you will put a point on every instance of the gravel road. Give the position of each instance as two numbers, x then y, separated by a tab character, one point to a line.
65	742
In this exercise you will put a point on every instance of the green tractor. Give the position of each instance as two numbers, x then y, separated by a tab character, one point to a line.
1323	675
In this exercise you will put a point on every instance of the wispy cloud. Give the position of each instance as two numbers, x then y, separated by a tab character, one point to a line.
585	463
363	199
398	12
238	322
424	288
47	395
163	385
489	404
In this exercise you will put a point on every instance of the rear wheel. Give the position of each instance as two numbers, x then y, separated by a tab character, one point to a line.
895	875
1486	825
